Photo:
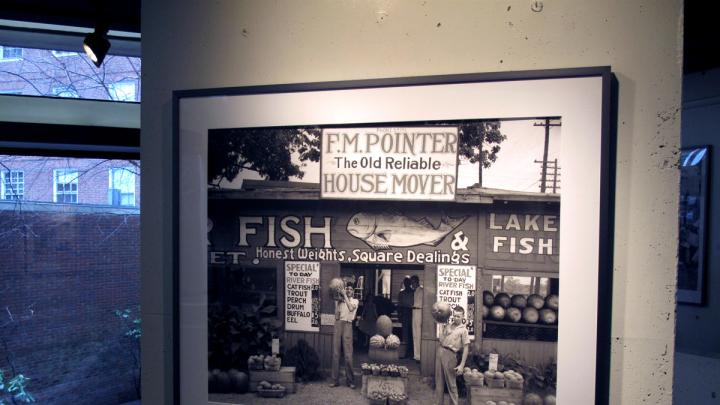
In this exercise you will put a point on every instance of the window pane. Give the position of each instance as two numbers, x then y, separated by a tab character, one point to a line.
43	72
70	282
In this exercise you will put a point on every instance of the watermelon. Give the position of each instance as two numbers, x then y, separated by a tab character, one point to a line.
223	382
488	298
530	315
552	302
441	311
239	381
518	301
536	301
513	314
485	311
392	342
502	299
497	312
212	380
336	288
383	325
377	342
550	399
548	316
532	399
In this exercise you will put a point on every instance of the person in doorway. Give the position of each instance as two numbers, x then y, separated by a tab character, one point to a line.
405	304
345	311
453	338
418	293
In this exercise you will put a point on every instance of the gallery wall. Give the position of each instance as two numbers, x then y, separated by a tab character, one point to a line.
191	45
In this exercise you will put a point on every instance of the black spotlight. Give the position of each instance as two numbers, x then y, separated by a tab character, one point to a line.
96	46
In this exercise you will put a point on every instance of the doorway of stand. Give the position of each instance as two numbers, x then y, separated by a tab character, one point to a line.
379	289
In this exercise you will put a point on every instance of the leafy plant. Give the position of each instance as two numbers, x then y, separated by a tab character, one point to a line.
305	360
237	332
133	333
15	388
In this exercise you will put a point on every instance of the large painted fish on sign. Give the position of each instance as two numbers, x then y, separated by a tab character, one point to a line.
387	230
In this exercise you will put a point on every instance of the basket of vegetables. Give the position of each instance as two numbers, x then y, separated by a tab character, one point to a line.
397	399
267	390
256	362
272	363
378	398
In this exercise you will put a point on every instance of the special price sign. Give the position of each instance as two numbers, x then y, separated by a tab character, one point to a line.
414	163
302	296
456	286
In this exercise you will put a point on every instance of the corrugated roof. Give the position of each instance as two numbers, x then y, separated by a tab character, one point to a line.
290	190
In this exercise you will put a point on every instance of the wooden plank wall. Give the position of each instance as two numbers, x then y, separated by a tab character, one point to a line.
321	342
529	352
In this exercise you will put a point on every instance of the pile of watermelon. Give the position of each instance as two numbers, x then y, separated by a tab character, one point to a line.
520	308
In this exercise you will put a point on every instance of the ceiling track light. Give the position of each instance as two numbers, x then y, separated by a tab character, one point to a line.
96	44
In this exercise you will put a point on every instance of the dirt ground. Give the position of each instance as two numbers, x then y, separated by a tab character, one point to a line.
319	392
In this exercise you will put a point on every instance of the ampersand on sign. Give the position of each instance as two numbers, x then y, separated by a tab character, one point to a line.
459	241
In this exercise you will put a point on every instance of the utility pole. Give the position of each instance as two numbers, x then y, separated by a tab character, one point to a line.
547	126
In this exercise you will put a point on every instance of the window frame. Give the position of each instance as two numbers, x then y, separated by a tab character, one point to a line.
111	183
3	186
3	58
76	181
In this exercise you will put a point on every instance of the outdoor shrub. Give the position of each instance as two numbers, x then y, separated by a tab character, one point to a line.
306	361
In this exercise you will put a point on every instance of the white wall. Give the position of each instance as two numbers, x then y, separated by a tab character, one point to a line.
197	44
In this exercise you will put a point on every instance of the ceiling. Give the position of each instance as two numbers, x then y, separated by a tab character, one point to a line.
701	37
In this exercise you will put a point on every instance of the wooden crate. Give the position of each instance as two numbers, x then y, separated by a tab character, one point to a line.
383	355
479	395
285	376
393	385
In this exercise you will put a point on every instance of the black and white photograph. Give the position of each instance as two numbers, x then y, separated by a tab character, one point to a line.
341	256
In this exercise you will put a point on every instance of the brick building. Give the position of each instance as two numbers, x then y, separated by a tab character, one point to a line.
41	72
70	180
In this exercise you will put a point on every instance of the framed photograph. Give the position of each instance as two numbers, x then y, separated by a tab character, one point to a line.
423	205
694	169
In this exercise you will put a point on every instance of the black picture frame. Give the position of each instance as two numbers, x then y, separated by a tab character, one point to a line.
583	97
693	221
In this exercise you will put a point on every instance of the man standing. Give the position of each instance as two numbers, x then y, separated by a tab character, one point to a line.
405	304
345	311
418	292
453	338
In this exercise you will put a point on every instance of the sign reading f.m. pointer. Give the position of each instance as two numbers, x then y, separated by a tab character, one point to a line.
417	163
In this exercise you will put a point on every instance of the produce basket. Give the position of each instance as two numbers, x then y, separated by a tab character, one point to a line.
495	383
378	401
474	380
272	368
397	401
265	393
516	385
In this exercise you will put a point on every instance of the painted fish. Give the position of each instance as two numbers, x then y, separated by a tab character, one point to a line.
386	230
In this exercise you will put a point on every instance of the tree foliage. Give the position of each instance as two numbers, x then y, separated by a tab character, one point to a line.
267	152
480	143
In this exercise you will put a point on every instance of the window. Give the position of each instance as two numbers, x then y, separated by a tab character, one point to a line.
62	73
61	54
10	53
65	186
13	185
122	91
65	91
121	190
